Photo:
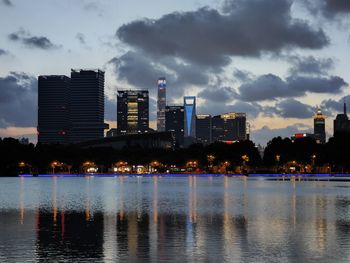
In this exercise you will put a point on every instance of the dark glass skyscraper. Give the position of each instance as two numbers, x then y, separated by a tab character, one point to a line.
174	122
132	111
203	128
86	105
229	127
320	126
342	123
53	112
161	104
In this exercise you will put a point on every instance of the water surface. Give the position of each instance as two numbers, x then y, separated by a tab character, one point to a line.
135	219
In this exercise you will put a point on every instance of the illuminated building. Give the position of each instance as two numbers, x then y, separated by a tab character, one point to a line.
320	127
190	118
203	128
86	105
132	111
161	104
342	123
174	116
229	127
53	113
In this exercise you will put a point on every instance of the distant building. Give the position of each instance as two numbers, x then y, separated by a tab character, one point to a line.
174	122
297	136
53	109
342	123
86	105
203	128
152	140
190	119
24	141
161	104
229	127
112	132
320	126
132	111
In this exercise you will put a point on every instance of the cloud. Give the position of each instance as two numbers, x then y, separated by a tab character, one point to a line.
271	87
4	52
332	106
30	41
220	95
310	65
7	2
291	108
210	37
18	100
328	8
263	135
141	71
81	38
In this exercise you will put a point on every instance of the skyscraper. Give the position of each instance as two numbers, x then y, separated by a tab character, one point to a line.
86	105
132	111
342	123
174	122
229	127
190	116
203	128
161	104
53	112
319	126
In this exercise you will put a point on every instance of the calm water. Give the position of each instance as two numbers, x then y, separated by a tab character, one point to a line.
173	219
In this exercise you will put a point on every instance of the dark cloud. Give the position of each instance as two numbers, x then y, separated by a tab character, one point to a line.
3	52
311	65
81	38
209	37
30	41
142	72
291	108
18	100
263	135
328	8
7	2
332	106
271	87
221	95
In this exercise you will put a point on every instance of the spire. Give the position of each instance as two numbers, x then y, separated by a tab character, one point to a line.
344	107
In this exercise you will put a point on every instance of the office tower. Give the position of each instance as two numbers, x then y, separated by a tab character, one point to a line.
190	116
342	123
86	105
203	128
229	127
174	122
53	112
132	111
319	126
161	104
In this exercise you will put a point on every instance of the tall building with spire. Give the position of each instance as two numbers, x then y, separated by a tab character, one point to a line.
320	126
161	104
342	123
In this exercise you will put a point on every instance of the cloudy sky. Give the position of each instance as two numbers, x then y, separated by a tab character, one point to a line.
277	60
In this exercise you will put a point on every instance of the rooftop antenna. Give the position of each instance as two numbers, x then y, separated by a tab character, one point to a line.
344	107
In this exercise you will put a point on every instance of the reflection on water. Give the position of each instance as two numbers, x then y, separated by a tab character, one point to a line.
173	219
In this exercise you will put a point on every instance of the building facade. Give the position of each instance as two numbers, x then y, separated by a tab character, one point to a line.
320	126
53	109
190	116
86	105
229	127
132	111
161	104
203	128
174	122
342	123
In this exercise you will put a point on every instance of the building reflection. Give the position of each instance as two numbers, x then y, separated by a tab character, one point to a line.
228	222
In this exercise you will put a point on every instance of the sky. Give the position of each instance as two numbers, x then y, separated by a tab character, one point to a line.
275	60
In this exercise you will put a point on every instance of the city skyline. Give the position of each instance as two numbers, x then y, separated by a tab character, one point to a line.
276	77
